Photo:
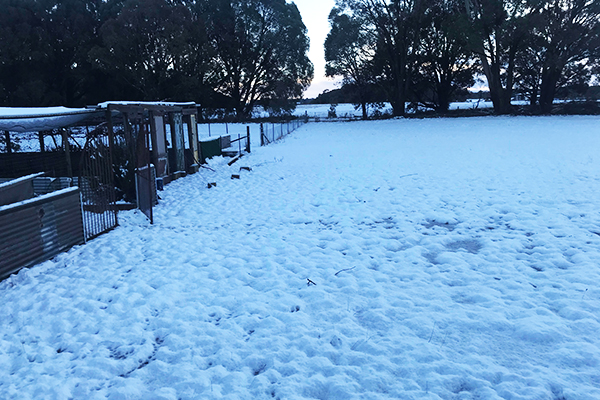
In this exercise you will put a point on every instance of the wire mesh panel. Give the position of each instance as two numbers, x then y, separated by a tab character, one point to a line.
145	174
97	185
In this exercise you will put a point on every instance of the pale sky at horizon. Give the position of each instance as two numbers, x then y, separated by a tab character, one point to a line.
314	15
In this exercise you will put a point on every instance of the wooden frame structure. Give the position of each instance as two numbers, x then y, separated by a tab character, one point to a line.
154	159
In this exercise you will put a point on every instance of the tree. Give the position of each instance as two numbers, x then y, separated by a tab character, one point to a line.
349	52
497	35
394	27
570	35
22	76
260	50
144	46
44	46
444	65
528	76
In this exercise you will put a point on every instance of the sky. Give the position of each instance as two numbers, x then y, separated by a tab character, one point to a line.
314	15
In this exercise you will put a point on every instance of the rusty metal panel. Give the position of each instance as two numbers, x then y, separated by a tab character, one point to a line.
38	229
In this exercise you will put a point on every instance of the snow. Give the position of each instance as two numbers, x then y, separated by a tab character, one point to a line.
146	103
35	112
37	199
33	119
452	259
19	180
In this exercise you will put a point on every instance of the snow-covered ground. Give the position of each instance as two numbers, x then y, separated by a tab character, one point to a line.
451	259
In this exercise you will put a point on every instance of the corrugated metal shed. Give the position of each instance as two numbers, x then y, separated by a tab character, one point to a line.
38	229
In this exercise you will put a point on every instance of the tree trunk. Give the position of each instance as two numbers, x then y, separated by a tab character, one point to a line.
548	89
533	97
497	92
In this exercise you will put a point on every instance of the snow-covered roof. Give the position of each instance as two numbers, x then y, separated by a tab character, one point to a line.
35	119
147	103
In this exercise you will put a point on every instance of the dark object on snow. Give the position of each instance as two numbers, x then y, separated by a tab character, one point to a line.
310	282
212	184
235	176
230	163
245	168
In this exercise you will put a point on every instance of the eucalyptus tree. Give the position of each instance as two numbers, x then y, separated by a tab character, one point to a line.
260	50
569	31
394	26
497	34
349	52
444	65
144	46
44	47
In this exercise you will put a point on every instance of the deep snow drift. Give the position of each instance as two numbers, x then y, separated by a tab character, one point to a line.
451	259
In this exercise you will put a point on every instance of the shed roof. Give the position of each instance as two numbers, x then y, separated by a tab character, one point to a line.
35	119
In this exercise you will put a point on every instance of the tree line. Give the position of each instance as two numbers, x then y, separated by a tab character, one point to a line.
429	50
219	53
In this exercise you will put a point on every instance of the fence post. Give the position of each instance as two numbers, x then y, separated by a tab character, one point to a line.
41	139
248	139
7	141
262	135
65	139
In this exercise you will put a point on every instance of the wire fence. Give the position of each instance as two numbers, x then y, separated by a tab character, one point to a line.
271	132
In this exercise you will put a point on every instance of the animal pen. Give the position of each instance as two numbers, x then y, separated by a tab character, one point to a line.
52	200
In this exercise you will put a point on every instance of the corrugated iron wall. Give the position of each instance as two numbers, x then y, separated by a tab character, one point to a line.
39	229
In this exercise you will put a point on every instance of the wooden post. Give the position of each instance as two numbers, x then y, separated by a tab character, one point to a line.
151	185
193	136
262	135
65	140
41	139
7	139
111	147
172	126
248	139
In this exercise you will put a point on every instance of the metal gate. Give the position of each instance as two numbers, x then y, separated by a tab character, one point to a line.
145	173
96	183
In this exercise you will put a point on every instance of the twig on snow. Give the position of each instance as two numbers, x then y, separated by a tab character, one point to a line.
406	176
310	282
207	167
344	270
432	330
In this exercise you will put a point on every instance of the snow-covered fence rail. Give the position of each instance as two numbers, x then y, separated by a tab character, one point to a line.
271	132
36	229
